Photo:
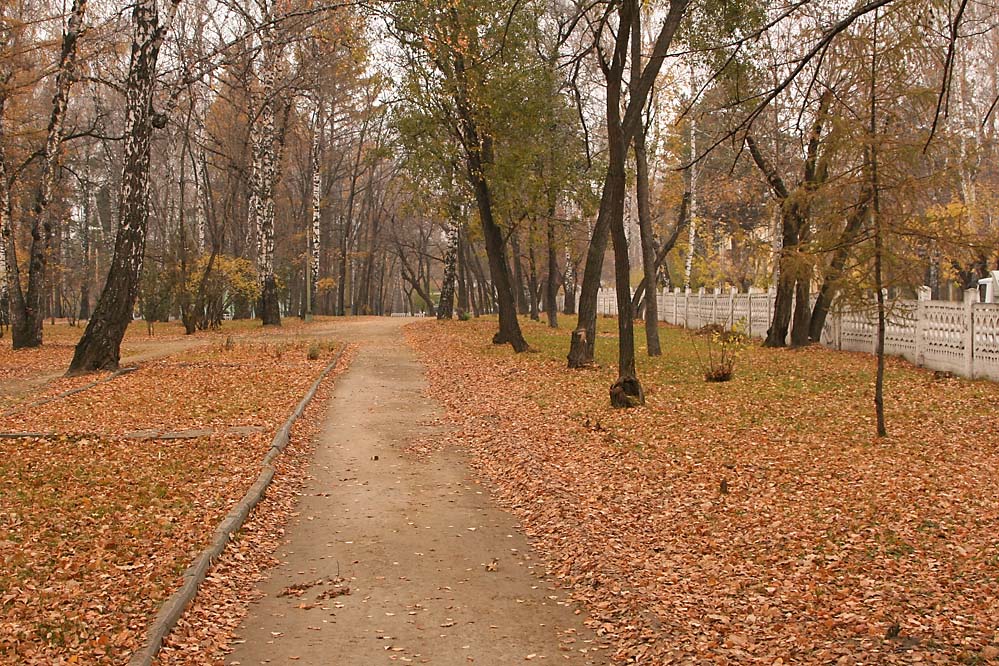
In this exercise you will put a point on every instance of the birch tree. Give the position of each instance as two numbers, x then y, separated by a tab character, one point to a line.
445	309
100	346
264	169
314	235
26	305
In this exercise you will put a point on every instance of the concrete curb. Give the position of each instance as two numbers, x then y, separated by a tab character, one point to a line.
174	607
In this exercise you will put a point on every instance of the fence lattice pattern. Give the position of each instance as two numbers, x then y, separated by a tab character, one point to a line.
962	338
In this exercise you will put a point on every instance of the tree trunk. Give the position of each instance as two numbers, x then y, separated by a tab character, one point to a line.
827	292
413	278
551	281
681	221
26	307
509	327
463	292
100	346
315	237
777	333
520	292
649	265
569	284
802	290
532	276
478	149
445	309
626	391
581	347
487	304
84	312
263	179
876	223
8	258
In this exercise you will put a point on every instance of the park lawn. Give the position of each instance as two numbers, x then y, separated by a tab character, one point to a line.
23	370
754	521
95	528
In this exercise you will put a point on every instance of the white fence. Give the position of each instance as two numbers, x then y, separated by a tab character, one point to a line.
962	338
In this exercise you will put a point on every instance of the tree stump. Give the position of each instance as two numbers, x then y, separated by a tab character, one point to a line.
577	350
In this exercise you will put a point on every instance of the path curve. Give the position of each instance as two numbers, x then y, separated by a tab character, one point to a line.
437	572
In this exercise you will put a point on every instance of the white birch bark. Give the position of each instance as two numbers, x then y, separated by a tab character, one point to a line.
264	173
26	308
317	195
5	235
451	238
200	191
692	228
100	346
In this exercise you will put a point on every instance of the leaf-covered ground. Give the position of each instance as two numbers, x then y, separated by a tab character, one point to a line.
95	529
754	521
28	375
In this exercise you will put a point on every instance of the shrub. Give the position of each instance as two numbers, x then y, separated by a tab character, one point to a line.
723	350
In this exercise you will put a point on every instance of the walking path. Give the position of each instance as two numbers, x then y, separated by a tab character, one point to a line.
391	559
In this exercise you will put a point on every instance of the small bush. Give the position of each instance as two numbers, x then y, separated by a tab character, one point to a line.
723	350
315	351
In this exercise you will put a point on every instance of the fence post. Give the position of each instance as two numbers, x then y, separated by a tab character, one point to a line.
731	307
749	316
970	298
923	296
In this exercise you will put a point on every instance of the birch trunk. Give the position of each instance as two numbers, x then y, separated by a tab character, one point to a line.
264	174
27	307
314	230
688	267
5	235
649	266
445	309
569	284
100	346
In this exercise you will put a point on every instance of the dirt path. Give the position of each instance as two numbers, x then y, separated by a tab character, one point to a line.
437	573
138	352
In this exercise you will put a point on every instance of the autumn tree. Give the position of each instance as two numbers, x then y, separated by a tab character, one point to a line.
468	69
100	346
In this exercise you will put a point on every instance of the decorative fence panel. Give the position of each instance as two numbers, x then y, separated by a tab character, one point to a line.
944	336
986	340
901	331
962	338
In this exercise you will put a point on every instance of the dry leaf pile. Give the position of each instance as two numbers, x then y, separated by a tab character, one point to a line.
754	521
95	529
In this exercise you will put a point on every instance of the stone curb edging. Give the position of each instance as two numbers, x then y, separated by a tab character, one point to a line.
174	607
